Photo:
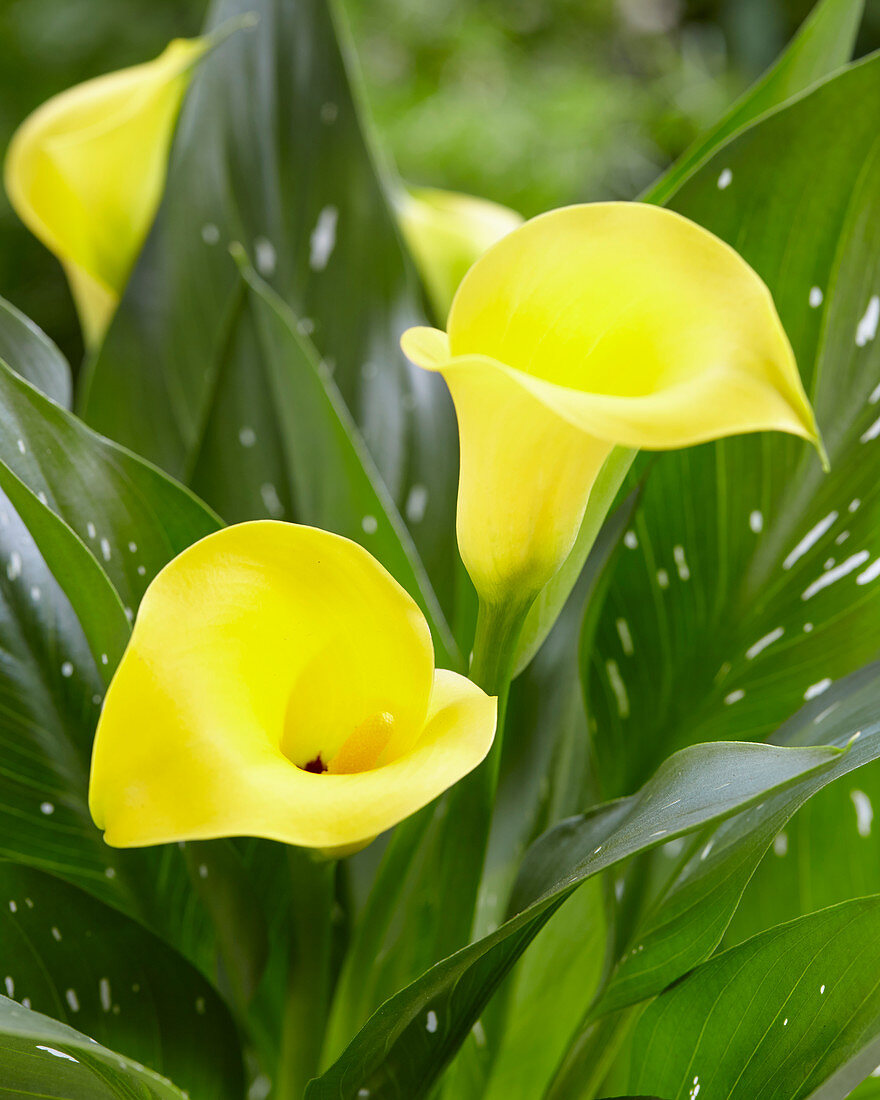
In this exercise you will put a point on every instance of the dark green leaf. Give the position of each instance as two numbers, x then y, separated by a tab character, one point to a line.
337	485
80	577
133	519
776	1017
269	152
70	957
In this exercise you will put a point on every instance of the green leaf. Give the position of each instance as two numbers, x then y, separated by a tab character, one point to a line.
337	485
749	580
269	152
686	922
45	1059
777	1016
409	1040
80	577
30	351
824	43
78	491
68	956
132	517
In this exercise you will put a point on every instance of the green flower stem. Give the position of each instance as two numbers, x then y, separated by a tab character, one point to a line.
471	801
309	973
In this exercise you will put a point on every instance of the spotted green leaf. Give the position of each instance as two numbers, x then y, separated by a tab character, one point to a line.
68	956
790	1014
750	578
269	152
407	1043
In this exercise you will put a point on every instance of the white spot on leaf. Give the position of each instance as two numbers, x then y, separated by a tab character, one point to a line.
323	238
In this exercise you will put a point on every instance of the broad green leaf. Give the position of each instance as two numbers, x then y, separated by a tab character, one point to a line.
775	1017
133	519
337	485
68	956
687	921
407	1043
269	152
749	580
823	44
43	1058
33	354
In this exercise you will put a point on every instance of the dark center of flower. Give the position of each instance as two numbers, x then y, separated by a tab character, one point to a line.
317	766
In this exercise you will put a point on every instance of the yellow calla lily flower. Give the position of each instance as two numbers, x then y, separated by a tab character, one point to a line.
85	173
446	232
589	328
279	683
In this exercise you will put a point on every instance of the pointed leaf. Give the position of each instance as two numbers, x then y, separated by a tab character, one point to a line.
407	1043
776	1016
33	355
269	152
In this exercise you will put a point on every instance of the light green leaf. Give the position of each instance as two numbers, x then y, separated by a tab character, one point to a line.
686	922
409	1040
269	152
776	1017
70	957
823	44
33	355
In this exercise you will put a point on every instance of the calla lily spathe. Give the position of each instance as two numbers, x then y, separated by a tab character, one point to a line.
447	232
589	328
85	173
279	683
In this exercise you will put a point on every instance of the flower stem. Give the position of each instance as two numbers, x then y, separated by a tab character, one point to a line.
471	801
309	974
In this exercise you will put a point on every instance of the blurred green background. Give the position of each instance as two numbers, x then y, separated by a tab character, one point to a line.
534	103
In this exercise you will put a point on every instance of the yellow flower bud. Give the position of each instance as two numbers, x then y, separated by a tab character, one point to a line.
590	327
85	173
446	232
279	683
